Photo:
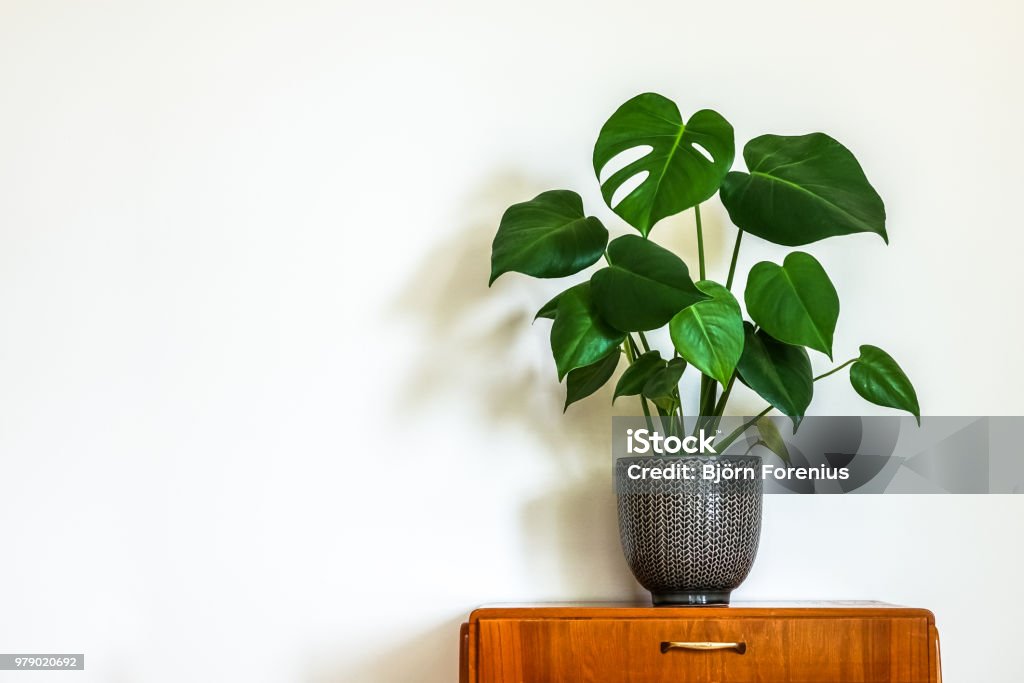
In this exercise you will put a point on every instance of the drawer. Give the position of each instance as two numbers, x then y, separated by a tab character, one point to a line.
809	649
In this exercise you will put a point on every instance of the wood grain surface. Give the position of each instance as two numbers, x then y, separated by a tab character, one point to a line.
782	642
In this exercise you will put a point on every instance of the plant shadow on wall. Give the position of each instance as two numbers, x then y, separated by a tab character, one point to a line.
472	356
472	350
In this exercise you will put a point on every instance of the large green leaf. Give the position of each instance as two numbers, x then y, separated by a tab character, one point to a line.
877	378
662	388
795	302
778	372
801	189
709	334
579	337
548	236
582	382
685	165
644	286
636	375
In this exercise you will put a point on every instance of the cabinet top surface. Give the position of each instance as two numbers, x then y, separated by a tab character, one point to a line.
641	610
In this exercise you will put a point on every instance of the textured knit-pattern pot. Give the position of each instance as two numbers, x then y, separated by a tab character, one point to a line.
690	541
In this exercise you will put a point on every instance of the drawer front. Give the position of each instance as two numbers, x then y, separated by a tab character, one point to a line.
755	650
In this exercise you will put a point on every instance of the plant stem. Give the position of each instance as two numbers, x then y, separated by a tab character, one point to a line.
643	340
707	396
732	264
720	408
705	402
632	345
727	441
627	345
834	370
700	242
647	412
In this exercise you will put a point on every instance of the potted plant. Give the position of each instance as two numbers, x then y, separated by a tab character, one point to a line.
693	540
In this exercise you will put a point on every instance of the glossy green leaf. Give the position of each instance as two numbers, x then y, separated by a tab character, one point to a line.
878	379
579	337
582	382
685	164
709	334
801	189
548	236
795	302
549	309
778	372
771	438
644	286
662	388
636	375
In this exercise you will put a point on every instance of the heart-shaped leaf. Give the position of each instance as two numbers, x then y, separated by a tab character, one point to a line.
795	302
662	388
582	382
644	286
878	379
579	337
636	375
801	189
685	164
548	236
778	372
709	334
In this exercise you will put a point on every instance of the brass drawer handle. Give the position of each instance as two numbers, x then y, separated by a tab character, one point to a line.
740	647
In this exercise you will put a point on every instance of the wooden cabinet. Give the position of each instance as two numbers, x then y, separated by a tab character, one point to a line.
841	642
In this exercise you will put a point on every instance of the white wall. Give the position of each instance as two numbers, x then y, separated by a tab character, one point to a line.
243	257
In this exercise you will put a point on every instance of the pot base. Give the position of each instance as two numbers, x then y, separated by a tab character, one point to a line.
690	598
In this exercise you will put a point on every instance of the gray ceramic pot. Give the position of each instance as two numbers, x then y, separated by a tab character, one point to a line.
690	540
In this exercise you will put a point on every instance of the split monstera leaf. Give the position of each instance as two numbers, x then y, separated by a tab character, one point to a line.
652	164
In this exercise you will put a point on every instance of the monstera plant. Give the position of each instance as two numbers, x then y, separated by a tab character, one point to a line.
652	164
